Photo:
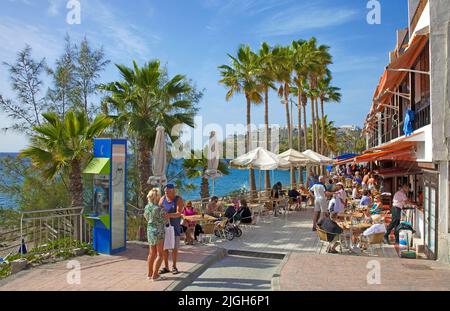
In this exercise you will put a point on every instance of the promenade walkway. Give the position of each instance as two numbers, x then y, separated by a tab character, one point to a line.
124	272
289	235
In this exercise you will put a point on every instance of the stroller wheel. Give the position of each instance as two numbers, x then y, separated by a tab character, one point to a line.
238	232
229	235
217	233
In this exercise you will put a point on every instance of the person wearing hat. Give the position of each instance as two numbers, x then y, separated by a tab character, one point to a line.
173	205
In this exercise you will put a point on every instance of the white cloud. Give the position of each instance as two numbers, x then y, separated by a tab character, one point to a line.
116	31
54	7
295	20
15	34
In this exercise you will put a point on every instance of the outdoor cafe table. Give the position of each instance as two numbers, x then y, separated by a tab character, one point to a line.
353	229
200	218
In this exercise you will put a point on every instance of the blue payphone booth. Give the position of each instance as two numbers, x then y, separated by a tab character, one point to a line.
108	214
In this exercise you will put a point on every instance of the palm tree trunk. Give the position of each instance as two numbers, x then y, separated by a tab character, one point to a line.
299	134
288	120
305	126
267	184
204	193
76	184
252	182
322	141
313	128
316	106
143	169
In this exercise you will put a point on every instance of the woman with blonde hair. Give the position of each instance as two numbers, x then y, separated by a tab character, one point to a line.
156	222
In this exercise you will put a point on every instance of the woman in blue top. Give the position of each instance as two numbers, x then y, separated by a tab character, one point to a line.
156	222
377	206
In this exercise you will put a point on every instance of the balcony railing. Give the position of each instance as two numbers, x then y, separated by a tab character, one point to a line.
423	114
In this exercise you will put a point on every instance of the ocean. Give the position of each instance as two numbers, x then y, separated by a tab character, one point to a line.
237	179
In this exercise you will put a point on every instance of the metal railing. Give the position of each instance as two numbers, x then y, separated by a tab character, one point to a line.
40	227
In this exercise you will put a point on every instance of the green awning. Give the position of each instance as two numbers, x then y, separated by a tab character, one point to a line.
98	166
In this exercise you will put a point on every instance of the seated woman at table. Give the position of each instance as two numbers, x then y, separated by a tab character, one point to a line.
294	194
190	226
377	206
365	199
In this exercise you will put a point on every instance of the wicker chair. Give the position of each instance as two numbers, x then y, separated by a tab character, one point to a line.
323	239
373	240
208	232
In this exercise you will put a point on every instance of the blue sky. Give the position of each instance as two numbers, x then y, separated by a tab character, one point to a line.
193	37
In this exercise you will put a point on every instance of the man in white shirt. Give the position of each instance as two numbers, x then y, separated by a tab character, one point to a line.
319	192
377	227
399	201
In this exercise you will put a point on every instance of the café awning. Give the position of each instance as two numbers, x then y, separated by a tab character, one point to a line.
394	74
99	166
398	151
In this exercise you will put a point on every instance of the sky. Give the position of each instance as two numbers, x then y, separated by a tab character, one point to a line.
193	38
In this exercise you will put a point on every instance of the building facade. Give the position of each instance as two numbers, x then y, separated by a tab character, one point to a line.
409	121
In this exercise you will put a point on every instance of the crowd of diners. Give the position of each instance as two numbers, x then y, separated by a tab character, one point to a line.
331	196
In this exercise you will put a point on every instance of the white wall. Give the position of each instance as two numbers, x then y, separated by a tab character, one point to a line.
424	20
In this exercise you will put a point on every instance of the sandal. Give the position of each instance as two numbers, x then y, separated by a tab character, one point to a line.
164	271
175	271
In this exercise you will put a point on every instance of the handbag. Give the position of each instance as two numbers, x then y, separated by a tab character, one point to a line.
169	239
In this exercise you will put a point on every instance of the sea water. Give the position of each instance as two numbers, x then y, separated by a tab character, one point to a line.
237	179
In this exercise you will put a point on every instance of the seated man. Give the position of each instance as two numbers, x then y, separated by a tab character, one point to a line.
245	213
366	200
377	227
330	225
293	193
212	207
231	210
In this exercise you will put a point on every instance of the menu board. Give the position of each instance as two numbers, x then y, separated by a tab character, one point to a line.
118	196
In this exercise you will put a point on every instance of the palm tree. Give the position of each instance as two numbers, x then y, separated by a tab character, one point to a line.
63	146
195	167
242	77
266	78
283	69
327	93
320	69
304	62
145	99
330	141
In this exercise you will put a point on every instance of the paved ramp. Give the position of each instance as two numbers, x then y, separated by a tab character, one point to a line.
239	273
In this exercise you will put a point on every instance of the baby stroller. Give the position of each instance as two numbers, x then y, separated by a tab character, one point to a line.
242	216
222	229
